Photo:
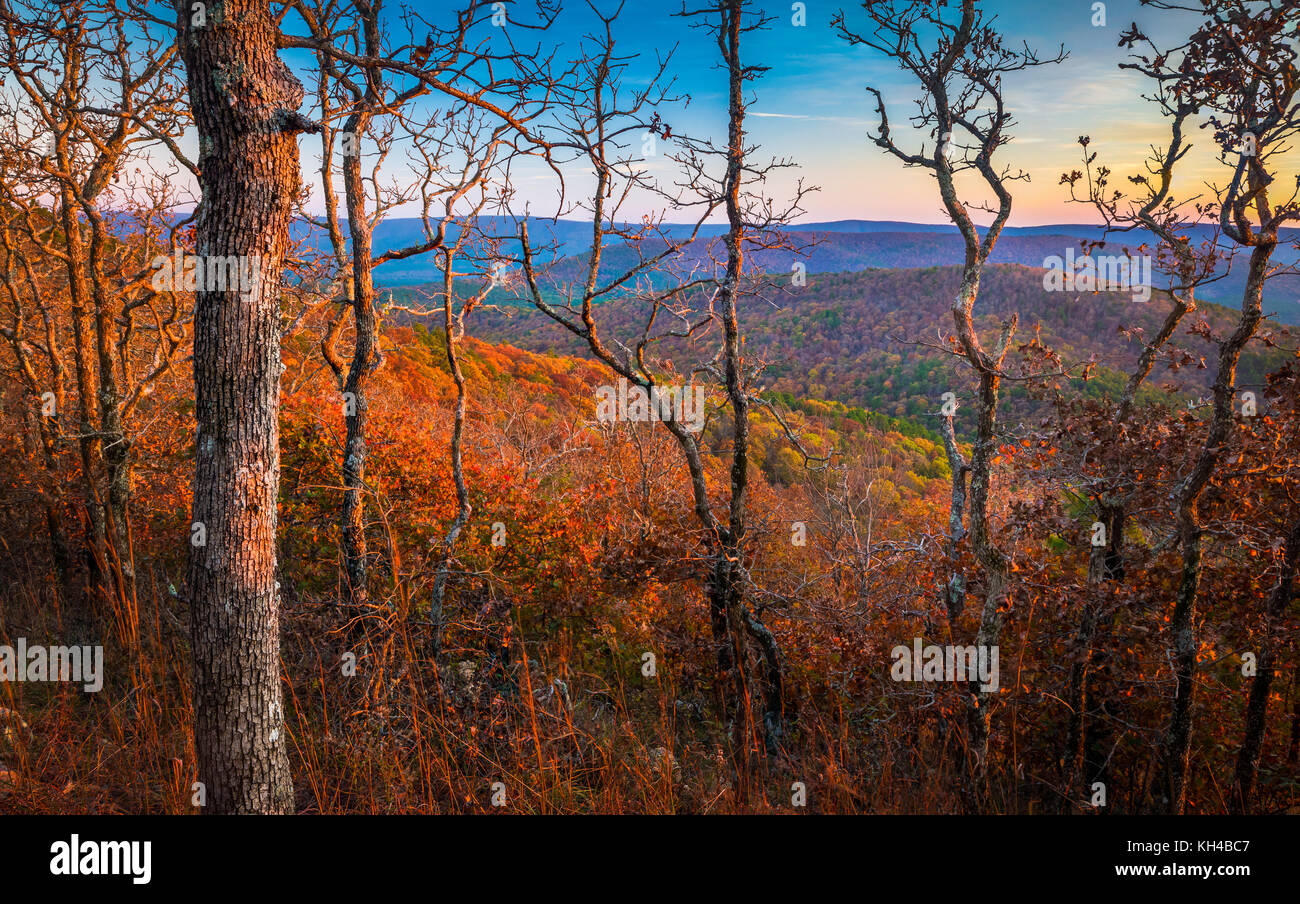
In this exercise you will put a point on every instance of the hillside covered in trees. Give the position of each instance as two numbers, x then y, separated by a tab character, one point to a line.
869	339
614	516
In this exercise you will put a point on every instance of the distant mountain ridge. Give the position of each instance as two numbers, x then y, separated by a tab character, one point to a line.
835	246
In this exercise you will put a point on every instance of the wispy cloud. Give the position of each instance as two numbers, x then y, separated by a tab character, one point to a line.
843	120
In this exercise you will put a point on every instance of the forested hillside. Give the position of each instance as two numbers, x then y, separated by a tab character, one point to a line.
876	339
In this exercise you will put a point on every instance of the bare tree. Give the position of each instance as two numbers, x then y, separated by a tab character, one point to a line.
601	119
463	171
366	95
41	371
1239	70
365	81
958	59
98	92
1108	487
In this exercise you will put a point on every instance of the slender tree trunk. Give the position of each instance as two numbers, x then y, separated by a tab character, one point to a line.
116	447
953	590
1261	688
730	569
83	371
1182	626
355	450
1105	564
452	330
993	563
114	444
245	104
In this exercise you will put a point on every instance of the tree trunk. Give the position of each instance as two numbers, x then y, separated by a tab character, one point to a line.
352	515
1257	706
1105	564
453	329
245	104
730	569
1183	622
953	591
993	563
115	446
88	435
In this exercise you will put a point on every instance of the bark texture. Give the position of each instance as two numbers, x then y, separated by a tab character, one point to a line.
245	104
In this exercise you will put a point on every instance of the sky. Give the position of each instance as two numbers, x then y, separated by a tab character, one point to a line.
814	107
811	105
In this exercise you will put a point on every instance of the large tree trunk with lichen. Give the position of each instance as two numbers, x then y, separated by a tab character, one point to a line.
245	104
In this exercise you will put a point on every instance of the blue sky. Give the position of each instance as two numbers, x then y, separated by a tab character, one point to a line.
812	107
